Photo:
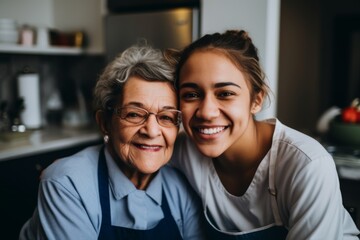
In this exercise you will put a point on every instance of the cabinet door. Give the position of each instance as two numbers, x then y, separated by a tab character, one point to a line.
19	179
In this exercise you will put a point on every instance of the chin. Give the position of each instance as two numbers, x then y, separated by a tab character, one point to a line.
148	169
209	151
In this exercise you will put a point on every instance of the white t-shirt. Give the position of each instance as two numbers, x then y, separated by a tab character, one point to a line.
308	193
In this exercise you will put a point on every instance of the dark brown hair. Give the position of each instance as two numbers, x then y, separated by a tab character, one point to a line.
235	45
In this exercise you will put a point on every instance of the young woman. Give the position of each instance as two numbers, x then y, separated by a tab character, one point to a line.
257	179
122	190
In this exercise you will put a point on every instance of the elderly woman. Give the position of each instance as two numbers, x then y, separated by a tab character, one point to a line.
122	190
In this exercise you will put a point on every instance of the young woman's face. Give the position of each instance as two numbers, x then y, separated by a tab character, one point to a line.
145	147
215	102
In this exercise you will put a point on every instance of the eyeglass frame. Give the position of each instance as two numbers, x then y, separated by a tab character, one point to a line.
117	111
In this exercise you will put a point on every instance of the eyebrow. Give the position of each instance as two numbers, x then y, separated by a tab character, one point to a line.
140	105
217	85
224	84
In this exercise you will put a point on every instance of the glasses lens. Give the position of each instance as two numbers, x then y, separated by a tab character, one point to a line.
169	118
133	115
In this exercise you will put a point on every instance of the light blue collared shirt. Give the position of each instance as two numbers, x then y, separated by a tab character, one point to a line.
69	205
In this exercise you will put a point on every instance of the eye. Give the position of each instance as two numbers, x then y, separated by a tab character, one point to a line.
189	95
133	114
225	94
167	116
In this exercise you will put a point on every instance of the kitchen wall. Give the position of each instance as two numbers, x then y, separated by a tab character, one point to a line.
62	15
262	20
306	59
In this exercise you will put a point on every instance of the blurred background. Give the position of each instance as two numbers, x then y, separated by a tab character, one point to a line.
52	51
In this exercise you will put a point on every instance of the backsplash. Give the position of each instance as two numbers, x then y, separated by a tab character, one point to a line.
65	81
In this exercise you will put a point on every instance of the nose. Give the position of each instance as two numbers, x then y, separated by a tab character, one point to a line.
208	109
151	127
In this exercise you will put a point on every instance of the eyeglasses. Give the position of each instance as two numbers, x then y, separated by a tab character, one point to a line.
136	115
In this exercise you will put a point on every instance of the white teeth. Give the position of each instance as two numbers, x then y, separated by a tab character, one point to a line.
210	131
149	147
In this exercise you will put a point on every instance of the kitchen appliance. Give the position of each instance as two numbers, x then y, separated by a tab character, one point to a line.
161	28
29	92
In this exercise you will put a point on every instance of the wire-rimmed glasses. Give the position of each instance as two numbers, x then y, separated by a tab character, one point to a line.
137	115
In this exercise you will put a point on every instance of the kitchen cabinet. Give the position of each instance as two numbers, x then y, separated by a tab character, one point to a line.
19	179
351	198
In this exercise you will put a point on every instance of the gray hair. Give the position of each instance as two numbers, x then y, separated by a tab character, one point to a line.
139	60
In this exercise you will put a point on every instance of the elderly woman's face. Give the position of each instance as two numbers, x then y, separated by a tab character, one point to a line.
147	146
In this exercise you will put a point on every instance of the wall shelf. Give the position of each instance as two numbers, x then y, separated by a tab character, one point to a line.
18	49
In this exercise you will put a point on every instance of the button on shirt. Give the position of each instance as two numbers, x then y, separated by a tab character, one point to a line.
69	205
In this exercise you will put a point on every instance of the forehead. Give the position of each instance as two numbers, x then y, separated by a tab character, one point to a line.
210	66
148	93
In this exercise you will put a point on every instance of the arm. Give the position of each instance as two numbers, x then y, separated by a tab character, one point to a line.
60	214
315	203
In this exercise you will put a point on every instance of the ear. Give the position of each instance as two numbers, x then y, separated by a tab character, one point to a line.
101	121
257	103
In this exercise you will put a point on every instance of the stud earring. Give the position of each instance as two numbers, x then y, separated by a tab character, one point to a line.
106	138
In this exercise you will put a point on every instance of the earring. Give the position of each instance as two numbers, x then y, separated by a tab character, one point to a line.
106	138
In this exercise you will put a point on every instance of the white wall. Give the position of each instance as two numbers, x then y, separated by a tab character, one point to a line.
86	15
261	18
33	12
63	15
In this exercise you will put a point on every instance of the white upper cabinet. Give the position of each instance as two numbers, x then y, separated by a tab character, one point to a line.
61	15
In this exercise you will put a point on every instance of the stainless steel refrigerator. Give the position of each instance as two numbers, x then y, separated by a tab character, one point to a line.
171	28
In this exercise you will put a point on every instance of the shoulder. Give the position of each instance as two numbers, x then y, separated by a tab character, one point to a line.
178	191
176	185
75	165
76	174
300	159
173	178
292	143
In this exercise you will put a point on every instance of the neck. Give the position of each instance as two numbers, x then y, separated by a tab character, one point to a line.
237	166
140	180
248	151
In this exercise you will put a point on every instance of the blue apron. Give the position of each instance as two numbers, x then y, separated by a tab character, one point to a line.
164	230
273	231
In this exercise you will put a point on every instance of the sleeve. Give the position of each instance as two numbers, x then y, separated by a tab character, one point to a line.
193	218
315	202
59	215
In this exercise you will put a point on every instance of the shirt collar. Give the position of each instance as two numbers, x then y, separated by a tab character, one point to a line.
121	186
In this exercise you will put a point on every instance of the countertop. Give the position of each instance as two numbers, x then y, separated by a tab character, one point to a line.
33	142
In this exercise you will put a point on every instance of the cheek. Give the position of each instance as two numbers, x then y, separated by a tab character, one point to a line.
121	138
187	110
170	137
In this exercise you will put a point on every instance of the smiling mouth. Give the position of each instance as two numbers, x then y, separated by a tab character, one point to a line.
148	147
210	131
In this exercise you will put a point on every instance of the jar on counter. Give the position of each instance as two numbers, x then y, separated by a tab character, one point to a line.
27	35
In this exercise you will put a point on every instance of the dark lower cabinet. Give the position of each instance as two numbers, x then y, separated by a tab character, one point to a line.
351	198
19	179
